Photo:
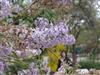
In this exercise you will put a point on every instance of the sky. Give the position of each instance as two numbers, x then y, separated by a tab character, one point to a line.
97	7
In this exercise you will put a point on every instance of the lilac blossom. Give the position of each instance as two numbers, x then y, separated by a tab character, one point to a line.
46	37
61	71
36	52
1	67
70	39
41	22
45	62
23	72
33	69
45	65
23	54
5	9
62	27
27	53
5	51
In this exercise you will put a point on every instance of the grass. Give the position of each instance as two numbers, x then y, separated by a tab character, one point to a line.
89	64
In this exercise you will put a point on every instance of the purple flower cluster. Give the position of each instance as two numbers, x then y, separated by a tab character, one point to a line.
33	69
47	35
5	51
41	22
5	9
27	42
28	53
1	68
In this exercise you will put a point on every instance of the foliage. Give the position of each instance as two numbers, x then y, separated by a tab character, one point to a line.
89	64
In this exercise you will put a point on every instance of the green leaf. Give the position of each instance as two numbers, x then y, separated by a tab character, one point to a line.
1	36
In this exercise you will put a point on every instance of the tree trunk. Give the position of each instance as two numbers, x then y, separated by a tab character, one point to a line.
74	55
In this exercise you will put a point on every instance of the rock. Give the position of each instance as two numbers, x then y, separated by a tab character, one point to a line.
97	72
82	72
58	73
92	71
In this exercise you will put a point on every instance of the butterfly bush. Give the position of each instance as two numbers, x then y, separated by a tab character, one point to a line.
21	42
44	36
21	47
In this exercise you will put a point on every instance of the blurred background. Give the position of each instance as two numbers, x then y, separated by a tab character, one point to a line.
82	17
